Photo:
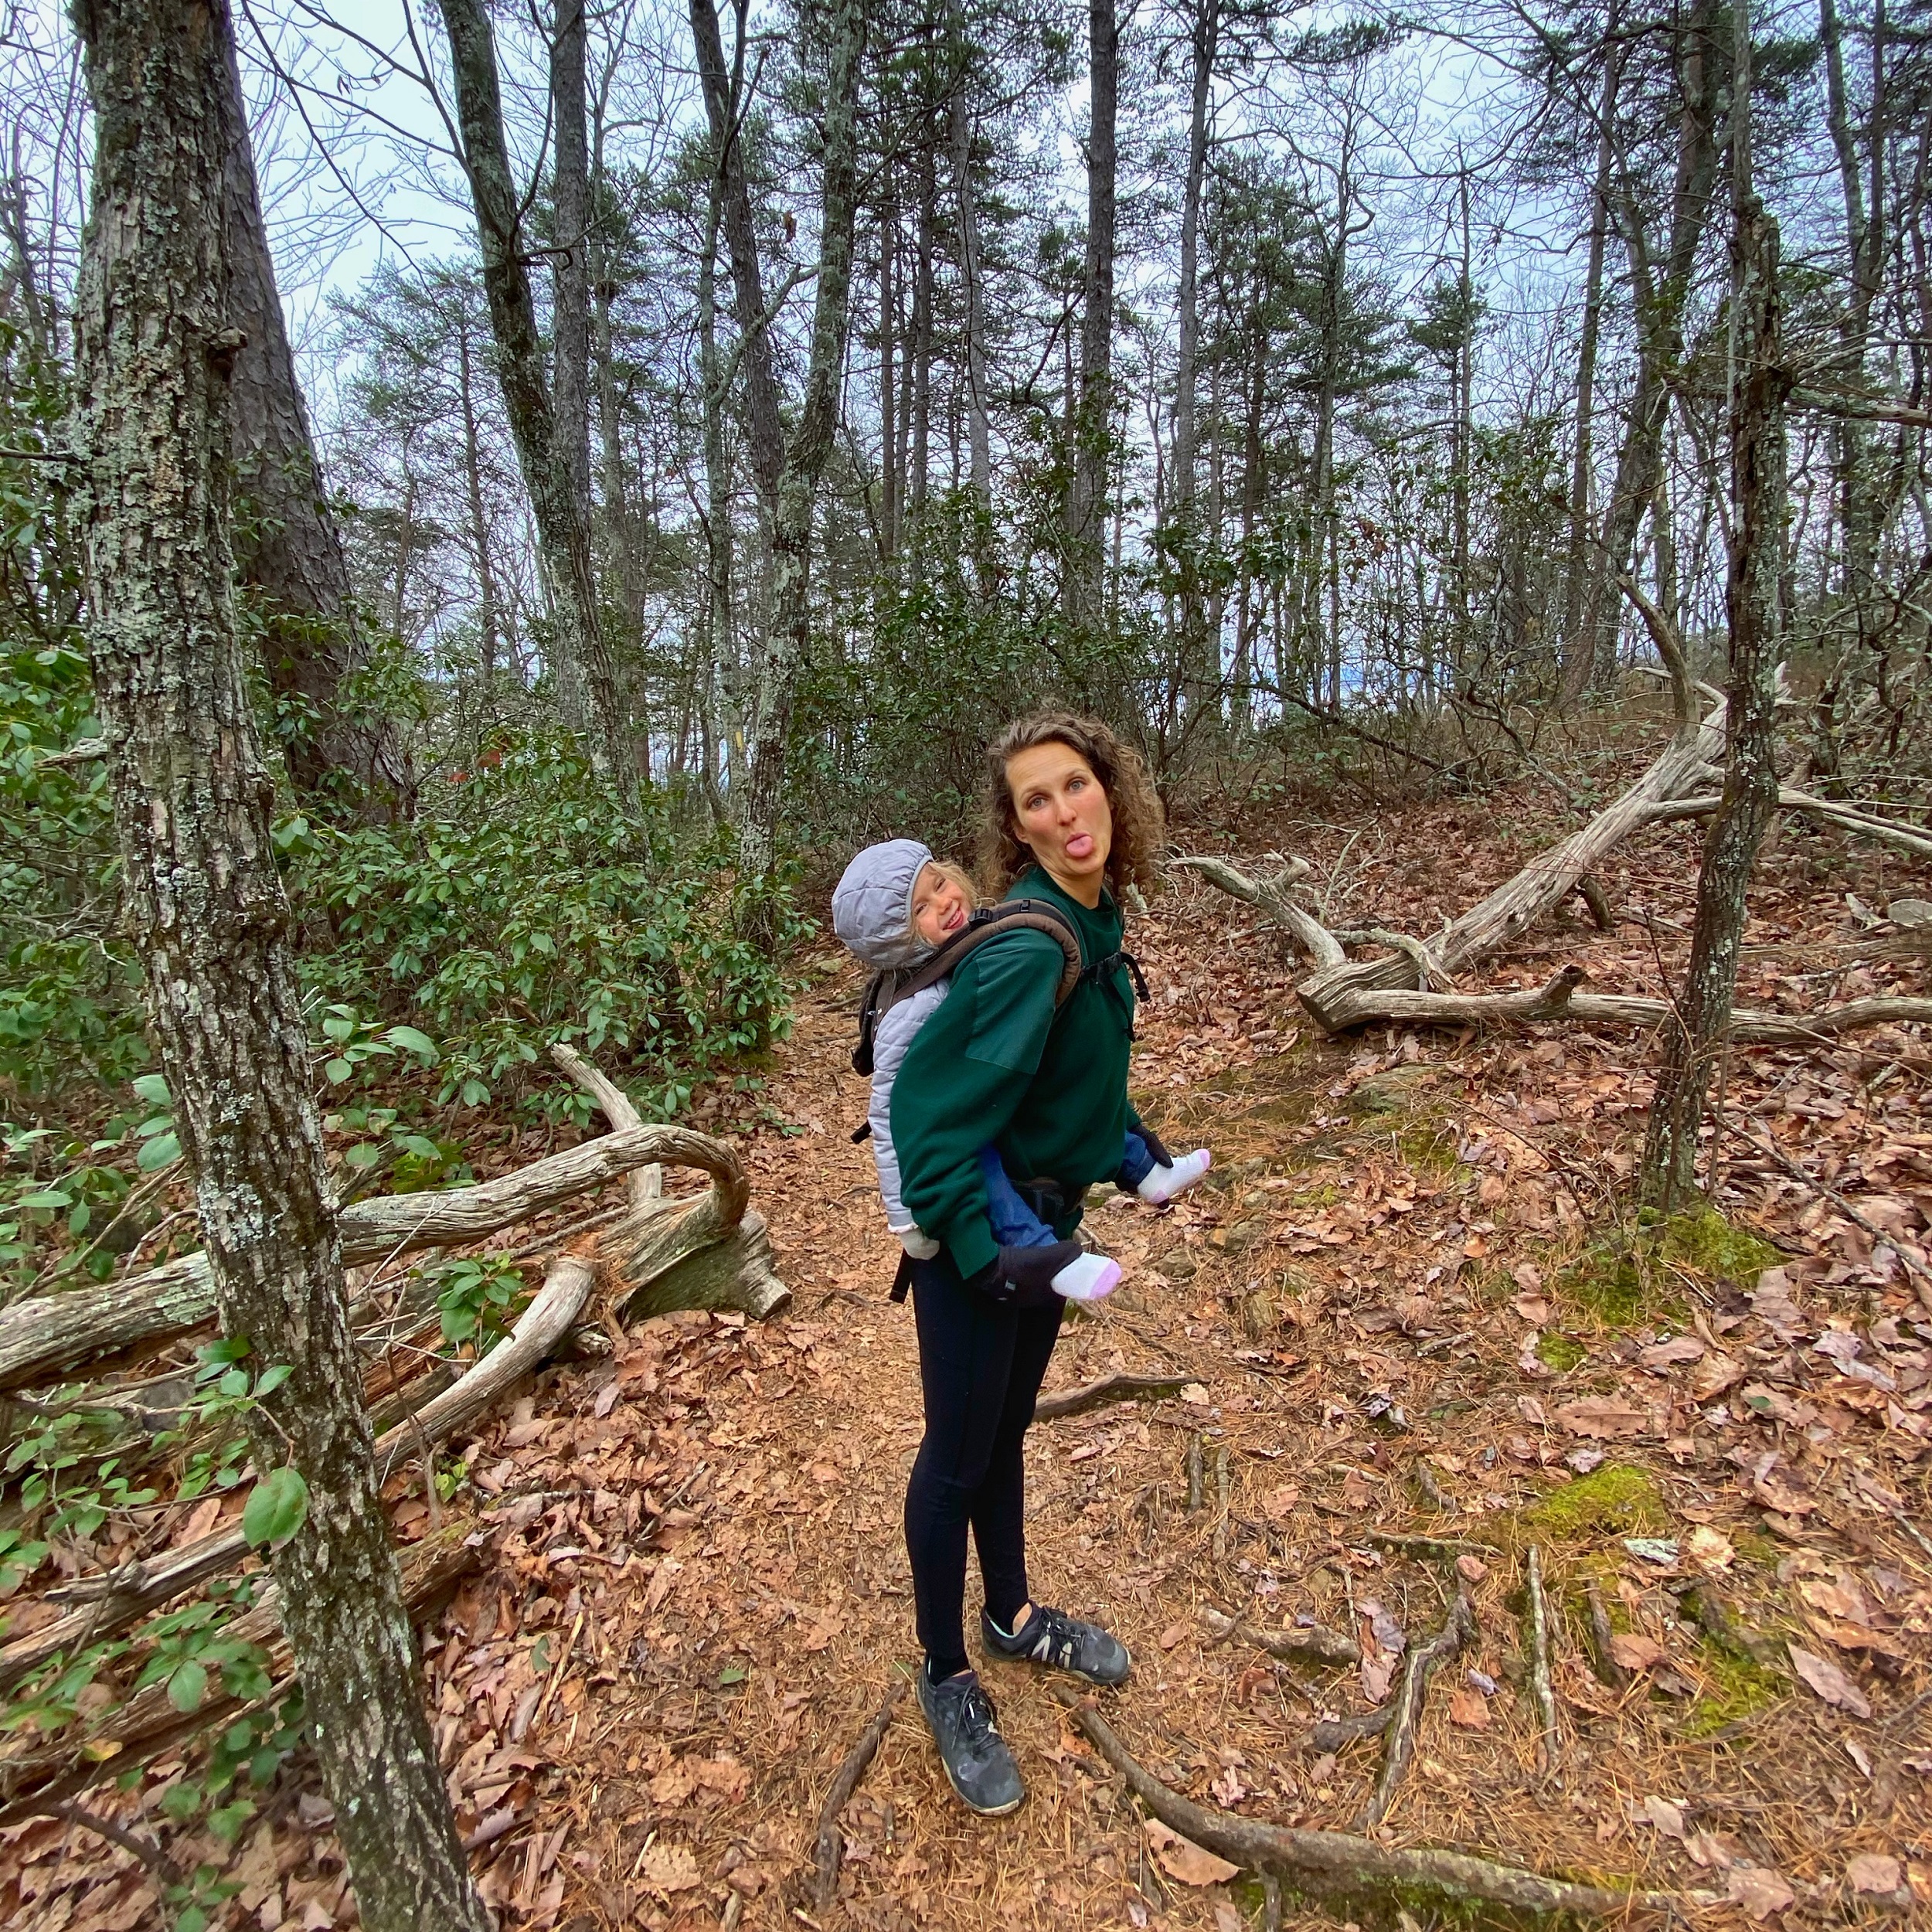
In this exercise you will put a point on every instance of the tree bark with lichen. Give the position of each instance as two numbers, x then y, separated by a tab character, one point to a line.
157	340
1759	383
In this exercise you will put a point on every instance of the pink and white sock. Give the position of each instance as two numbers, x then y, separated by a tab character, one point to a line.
1164	1183
1092	1278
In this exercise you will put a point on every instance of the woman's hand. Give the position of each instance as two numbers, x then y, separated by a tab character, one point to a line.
916	1242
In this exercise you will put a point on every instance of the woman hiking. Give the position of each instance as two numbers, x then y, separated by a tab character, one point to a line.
1069	818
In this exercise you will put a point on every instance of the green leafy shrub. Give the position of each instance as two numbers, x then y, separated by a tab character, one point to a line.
537	900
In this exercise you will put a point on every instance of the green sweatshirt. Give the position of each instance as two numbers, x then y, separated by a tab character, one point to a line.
997	1063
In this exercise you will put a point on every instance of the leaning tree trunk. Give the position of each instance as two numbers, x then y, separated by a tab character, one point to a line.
287	547
810	444
586	679
1759	384
156	345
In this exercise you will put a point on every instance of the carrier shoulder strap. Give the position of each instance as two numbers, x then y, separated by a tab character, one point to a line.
886	989
1030	915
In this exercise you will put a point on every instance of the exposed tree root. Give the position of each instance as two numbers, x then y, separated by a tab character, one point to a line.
1114	1388
830	1844
1406	1713
1316	1644
1333	1732
1339	1862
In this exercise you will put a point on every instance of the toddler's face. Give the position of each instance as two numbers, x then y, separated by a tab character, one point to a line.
939	906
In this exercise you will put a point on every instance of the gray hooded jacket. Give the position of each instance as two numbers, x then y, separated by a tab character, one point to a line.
872	912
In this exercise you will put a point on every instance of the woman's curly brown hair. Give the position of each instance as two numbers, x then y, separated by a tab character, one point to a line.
1138	818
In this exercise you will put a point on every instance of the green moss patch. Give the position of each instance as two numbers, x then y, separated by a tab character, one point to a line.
1707	1243
1630	1277
1735	1691
1559	1352
1617	1499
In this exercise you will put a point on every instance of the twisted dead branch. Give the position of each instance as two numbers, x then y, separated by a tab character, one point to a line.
1414	980
829	1845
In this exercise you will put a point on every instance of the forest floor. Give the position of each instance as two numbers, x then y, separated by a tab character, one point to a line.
1414	1303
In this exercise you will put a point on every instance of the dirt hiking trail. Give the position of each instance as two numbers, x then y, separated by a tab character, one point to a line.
1414	1341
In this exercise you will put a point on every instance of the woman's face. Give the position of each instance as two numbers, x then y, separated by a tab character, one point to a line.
1061	810
939	906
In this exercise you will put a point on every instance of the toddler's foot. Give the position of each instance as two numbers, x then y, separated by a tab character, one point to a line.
1165	1182
1091	1278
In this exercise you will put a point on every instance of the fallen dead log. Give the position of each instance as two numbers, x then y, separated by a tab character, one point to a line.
1338	1863
1884	831
1549	878
1315	1644
1336	992
1114	1388
39	1774
829	1845
1405	1715
711	1253
126	1595
1559	1000
46	1334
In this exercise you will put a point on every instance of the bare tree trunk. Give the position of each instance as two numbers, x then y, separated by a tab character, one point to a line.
809	445
1759	386
1864	244
587	681
1660	296
922	353
978	438
1462	434
724	108
720	634
888	381
288	549
570	310
488	622
157	341
1201	678
1086	525
1578	638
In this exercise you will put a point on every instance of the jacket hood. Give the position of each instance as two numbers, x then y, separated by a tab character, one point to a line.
871	911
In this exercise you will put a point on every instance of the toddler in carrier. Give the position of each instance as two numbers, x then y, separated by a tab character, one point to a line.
896	906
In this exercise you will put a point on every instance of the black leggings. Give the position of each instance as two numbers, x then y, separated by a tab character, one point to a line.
980	1367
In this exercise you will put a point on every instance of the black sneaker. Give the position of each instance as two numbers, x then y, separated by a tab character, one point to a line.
1060	1642
978	1764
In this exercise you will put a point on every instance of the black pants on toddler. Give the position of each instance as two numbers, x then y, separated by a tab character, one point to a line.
980	1366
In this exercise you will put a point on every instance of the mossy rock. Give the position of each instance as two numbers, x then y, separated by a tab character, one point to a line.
1393	1091
1615	1499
